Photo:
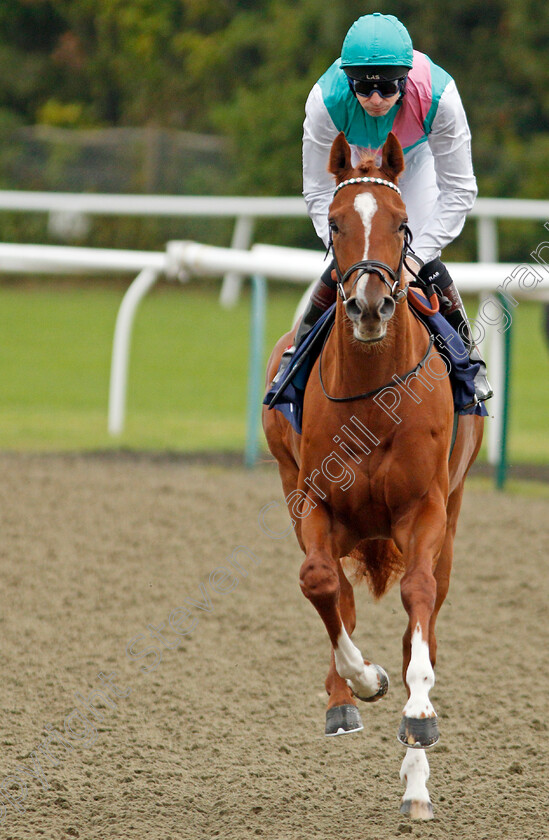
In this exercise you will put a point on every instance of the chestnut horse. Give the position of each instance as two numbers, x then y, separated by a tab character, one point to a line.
373	476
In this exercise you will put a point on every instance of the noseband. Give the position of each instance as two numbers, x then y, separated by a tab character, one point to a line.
373	266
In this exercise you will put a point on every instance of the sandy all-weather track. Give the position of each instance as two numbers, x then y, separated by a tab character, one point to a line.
225	737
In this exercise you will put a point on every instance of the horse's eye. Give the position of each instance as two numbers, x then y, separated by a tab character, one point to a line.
404	225
333	226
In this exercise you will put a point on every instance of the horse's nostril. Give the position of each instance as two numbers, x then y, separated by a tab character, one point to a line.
353	309
386	308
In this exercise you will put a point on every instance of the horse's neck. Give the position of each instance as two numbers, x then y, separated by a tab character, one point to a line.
357	368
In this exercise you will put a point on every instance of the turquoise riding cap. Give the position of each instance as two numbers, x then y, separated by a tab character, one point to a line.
377	42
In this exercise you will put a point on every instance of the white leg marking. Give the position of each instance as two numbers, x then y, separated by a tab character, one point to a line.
365	206
420	679
363	679
414	773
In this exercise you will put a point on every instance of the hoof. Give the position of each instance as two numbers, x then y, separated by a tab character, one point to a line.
382	690
418	733
340	720
417	810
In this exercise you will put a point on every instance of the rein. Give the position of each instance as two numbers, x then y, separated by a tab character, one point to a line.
367	394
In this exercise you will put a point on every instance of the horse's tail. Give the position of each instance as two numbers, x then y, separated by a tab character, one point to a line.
379	562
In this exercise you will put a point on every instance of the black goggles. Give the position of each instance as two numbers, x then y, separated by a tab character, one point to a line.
384	87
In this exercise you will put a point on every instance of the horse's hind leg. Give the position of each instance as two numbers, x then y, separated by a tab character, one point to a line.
414	773
321	583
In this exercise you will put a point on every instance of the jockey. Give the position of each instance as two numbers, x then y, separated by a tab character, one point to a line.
381	84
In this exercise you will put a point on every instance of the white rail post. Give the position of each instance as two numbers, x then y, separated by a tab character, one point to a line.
487	239
144	281
68	224
487	244
232	282
496	372
256	386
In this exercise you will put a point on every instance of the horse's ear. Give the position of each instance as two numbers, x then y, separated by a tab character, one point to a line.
340	158
392	159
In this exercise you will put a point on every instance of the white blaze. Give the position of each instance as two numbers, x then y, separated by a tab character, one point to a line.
365	206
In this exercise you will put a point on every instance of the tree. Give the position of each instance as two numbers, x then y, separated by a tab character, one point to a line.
244	68
28	33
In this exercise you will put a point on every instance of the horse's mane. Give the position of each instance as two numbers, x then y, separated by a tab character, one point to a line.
370	165
367	165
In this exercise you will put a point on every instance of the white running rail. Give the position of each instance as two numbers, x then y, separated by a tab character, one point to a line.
69	211
183	259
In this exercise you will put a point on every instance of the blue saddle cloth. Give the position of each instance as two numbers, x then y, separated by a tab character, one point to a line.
291	390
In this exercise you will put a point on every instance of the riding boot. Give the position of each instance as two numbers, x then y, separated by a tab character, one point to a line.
457	318
322	297
435	273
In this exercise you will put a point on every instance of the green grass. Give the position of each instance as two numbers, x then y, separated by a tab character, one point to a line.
188	372
188	368
530	488
529	411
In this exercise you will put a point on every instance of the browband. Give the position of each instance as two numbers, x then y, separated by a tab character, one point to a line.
367	181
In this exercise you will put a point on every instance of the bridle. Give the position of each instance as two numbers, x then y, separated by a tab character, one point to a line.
380	269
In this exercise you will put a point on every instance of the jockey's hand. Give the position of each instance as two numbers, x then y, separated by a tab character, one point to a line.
415	265
435	272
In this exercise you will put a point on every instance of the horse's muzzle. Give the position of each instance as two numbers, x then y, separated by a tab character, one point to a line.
369	320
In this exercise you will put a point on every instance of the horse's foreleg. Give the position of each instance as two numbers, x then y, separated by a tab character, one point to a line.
367	681
423	543
336	686
342	715
321	583
444	565
423	593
